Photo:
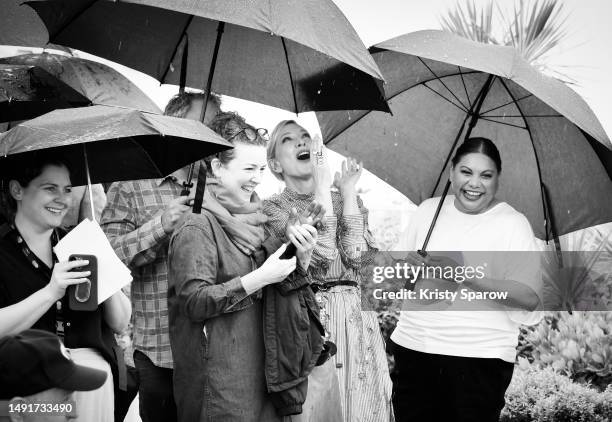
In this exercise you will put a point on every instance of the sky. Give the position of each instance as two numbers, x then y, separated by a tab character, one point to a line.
584	56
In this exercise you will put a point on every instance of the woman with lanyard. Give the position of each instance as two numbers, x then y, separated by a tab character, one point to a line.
336	268
33	284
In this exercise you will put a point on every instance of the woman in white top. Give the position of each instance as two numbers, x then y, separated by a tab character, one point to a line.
455	365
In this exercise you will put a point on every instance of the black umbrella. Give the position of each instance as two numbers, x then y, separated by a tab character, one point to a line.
107	144
442	89
292	54
29	91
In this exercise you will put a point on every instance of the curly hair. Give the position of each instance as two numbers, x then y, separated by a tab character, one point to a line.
229	124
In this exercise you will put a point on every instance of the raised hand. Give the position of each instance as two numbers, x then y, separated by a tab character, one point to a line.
320	164
347	178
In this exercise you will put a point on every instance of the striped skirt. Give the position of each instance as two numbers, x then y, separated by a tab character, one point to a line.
361	361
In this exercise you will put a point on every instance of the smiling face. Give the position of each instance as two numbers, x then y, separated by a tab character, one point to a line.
292	152
241	175
45	200
474	180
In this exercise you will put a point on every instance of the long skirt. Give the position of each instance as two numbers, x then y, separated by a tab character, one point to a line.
360	362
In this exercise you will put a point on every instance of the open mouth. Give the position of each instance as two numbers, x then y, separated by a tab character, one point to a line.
303	155
472	195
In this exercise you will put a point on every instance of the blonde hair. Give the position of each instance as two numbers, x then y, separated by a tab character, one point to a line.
274	140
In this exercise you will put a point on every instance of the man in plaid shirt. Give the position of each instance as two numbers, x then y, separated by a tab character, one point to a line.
139	219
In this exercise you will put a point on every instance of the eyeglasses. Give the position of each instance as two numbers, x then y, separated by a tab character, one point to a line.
251	134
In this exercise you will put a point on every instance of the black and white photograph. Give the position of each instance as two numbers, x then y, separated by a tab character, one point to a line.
305	210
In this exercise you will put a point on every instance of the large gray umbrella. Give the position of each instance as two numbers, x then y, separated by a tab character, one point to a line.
557	159
283	53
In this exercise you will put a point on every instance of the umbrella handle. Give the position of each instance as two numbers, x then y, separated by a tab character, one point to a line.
423	250
91	200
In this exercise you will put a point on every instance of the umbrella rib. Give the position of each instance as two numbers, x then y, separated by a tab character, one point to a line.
392	97
443	84
436	92
537	159
183	35
464	86
539	115
504	105
503	123
290	75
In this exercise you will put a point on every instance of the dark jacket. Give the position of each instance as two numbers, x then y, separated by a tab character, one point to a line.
293	340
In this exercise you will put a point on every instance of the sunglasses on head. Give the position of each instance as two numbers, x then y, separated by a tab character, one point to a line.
251	134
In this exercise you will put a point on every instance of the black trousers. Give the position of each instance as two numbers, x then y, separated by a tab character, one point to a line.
432	388
155	391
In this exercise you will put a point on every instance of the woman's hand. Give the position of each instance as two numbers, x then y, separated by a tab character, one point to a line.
321	175
346	180
313	214
63	276
320	165
304	237
274	269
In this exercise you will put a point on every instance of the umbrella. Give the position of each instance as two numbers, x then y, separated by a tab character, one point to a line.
283	53
292	54
442	89
29	91
101	84
107	144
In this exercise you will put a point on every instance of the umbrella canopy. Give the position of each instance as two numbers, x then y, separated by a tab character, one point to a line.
101	84
119	143
29	91
557	159
284	53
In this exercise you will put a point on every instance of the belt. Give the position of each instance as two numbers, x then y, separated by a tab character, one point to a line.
324	287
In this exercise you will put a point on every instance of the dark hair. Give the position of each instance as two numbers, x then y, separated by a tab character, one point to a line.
482	145
23	170
228	124
179	105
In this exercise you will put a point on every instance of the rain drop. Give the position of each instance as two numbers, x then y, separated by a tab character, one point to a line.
318	91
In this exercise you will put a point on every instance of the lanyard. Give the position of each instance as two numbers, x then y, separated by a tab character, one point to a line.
41	267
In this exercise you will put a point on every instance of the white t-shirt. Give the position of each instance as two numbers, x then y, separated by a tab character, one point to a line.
484	334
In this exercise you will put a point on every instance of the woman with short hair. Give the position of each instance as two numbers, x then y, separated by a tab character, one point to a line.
338	259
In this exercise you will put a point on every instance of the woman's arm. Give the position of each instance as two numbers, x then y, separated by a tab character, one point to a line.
117	311
22	315
193	274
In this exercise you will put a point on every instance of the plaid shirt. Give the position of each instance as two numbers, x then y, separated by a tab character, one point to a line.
132	223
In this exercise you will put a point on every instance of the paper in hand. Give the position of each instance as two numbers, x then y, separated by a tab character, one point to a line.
88	238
